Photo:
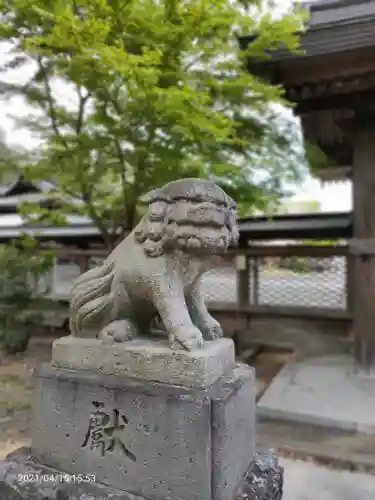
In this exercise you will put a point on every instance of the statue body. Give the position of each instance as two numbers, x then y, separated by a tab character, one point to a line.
156	270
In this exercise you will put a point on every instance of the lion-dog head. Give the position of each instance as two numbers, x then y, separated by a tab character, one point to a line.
190	215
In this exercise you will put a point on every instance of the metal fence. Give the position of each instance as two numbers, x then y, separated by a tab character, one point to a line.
299	276
275	276
300	282
293	281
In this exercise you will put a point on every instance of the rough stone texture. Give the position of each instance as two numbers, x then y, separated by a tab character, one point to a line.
178	443
155	271
23	478
263	480
302	392
147	360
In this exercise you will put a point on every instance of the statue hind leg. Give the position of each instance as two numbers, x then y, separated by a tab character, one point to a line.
127	323
120	330
120	327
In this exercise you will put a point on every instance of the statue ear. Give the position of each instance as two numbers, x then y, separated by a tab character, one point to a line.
231	203
154	195
147	198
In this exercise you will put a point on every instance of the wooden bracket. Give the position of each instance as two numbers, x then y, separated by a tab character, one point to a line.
362	247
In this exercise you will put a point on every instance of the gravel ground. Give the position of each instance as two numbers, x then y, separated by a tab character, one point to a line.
307	481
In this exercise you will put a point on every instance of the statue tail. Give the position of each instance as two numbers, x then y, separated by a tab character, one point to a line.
91	299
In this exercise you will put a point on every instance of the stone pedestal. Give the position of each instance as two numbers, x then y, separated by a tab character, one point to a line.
178	434
157	441
147	359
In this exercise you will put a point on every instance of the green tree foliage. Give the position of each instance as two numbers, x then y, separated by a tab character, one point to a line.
20	268
154	90
12	160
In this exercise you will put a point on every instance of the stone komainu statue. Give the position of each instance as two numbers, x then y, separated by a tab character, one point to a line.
156	270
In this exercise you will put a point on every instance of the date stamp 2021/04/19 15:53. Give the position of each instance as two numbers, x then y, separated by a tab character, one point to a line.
54	478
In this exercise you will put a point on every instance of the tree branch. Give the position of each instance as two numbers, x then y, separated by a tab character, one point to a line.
193	62
122	159
87	198
85	191
50	103
81	108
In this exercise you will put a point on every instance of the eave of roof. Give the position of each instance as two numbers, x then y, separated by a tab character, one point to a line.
49	232
333	27
41	187
334	174
16	200
329	12
309	226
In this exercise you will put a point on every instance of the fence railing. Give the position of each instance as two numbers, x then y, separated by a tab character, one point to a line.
296	276
279	279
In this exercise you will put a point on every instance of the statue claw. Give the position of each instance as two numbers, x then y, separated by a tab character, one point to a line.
190	342
212	330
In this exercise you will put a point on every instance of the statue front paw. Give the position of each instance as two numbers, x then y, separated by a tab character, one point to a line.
211	329
189	339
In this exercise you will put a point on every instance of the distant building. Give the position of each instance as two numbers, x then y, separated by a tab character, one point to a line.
81	232
17	191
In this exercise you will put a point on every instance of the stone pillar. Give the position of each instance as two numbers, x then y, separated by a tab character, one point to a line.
141	419
363	248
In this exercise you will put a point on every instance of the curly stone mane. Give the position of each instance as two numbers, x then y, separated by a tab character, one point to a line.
190	215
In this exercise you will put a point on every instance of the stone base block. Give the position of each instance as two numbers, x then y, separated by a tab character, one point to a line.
147	359
23	478
154	440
